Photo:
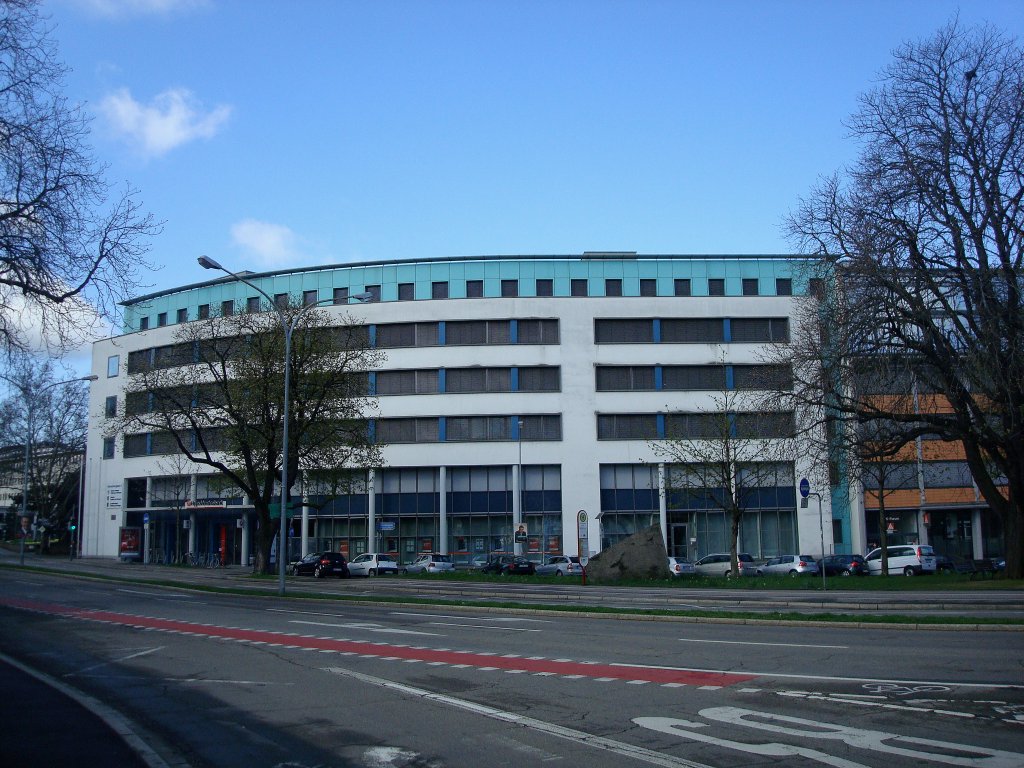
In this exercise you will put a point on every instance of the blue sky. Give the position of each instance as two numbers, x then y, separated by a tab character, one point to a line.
276	134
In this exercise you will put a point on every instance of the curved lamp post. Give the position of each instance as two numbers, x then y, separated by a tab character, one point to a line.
287	326
26	393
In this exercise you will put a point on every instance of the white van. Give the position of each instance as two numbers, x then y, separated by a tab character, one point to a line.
908	559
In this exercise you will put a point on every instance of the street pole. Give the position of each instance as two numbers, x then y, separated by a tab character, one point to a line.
287	326
821	530
29	409
73	543
517	506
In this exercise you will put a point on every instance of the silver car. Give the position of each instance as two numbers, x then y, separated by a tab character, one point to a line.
720	564
560	565
788	565
680	566
432	564
373	564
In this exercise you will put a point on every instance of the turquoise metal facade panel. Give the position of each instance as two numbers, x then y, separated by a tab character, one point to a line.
491	270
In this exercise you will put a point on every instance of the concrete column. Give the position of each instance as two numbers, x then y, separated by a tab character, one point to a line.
517	505
304	534
371	522
145	526
442	479
244	554
663	504
977	535
193	484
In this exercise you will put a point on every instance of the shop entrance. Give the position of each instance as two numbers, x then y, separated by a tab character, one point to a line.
678	541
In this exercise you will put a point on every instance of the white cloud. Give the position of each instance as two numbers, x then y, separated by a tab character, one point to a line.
68	332
173	118
273	245
120	8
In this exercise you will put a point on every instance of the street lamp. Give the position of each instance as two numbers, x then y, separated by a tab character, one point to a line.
287	325
26	392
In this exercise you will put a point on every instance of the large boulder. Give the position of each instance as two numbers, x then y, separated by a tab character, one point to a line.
641	556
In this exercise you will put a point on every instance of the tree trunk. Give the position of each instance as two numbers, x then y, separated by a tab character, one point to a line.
735	515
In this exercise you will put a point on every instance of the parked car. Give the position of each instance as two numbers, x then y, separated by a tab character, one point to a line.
374	564
908	559
844	565
788	565
432	564
680	566
509	565
560	565
720	564
321	565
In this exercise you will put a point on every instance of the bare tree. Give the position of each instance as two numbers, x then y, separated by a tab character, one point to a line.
926	235
53	420
69	245
216	397
721	456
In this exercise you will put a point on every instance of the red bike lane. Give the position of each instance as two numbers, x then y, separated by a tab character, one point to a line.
531	665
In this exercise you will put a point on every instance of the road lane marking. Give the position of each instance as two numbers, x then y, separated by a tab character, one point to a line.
581	738
158	595
833	678
775	645
917	749
365	626
475	618
115	661
481	626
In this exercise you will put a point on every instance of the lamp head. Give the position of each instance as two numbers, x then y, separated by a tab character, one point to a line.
207	263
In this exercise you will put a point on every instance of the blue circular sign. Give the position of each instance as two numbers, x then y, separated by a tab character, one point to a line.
805	487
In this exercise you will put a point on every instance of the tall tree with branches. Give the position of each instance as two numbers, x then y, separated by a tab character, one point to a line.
55	437
925	237
70	245
216	397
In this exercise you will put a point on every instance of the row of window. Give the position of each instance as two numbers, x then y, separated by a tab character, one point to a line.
904	475
636	378
610	378
475	289
696	426
763	330
691	330
533	427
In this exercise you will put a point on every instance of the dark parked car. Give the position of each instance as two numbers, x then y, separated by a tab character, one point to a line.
321	565
509	565
844	565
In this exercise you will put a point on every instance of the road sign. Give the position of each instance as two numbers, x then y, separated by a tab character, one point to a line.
805	487
145	518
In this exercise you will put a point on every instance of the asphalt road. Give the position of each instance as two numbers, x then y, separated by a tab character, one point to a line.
252	681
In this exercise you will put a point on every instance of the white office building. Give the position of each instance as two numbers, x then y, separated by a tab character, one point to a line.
515	391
